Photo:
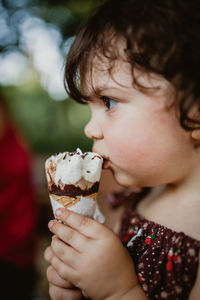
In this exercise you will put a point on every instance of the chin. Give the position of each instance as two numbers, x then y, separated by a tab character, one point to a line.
125	180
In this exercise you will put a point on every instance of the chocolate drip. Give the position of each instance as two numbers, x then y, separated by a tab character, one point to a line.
72	191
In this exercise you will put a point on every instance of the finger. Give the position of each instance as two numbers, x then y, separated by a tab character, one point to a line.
55	279
63	294
64	252
82	224
64	271
68	235
48	254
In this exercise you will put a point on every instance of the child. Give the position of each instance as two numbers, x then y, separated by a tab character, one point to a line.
139	67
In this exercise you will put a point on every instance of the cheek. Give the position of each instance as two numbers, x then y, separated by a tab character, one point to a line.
127	145
144	146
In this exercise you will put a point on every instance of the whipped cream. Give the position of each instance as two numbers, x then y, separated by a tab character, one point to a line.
74	167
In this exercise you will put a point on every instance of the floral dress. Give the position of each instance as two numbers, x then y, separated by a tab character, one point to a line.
166	261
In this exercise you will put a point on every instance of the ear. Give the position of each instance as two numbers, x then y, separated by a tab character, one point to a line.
195	134
195	114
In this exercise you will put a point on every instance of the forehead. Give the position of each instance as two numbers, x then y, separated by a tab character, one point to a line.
104	62
102	73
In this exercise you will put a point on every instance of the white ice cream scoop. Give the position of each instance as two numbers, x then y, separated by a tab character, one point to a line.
73	181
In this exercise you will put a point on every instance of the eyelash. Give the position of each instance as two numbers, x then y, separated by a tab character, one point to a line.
106	101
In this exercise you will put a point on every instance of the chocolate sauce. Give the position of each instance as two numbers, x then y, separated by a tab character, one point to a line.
72	191
84	155
96	156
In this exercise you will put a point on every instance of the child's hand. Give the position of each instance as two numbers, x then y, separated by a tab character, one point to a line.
90	256
60	288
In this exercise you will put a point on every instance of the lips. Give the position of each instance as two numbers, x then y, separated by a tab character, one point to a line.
106	160
106	163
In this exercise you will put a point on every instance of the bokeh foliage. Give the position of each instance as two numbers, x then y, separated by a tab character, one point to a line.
49	125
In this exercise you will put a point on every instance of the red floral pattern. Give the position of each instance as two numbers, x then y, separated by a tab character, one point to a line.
166	261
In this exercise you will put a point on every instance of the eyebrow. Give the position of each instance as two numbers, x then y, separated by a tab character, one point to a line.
97	90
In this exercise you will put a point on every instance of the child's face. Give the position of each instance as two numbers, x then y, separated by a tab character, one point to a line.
138	132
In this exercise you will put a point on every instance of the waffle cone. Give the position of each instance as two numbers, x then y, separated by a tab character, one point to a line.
67	201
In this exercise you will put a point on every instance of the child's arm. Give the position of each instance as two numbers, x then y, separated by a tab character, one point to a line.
93	258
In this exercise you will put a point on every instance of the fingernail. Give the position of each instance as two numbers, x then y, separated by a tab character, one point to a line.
58	212
50	224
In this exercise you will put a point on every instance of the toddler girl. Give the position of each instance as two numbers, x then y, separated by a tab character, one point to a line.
137	65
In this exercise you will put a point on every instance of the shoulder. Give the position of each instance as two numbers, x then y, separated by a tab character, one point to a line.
178	214
174	257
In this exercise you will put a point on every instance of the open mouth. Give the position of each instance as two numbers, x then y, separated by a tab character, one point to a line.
106	160
106	163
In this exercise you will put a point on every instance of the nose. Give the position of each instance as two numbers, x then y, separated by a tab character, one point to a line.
93	130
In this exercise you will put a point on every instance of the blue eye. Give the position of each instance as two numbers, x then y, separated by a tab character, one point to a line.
109	102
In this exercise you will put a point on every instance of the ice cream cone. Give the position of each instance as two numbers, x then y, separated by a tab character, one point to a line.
67	201
73	181
86	206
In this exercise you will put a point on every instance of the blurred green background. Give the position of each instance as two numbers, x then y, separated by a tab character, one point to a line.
35	37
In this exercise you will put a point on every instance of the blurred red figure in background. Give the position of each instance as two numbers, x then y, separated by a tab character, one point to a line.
18	212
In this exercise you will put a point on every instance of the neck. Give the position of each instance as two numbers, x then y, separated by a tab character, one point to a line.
190	183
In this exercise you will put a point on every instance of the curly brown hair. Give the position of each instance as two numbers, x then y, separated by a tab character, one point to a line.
161	37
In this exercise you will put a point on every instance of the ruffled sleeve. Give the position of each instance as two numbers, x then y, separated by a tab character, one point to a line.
166	261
